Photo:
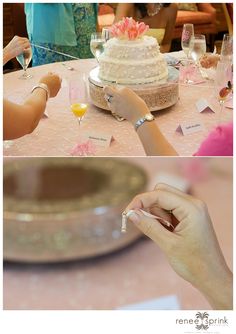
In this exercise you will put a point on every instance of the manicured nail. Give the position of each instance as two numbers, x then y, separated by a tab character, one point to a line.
133	216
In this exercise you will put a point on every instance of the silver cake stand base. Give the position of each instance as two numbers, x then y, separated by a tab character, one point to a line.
158	95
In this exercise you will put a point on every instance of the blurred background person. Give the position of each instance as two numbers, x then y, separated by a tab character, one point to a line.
63	27
159	16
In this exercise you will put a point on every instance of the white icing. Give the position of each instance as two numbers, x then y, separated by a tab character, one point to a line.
132	62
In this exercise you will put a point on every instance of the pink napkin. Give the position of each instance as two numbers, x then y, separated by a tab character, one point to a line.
190	72
84	149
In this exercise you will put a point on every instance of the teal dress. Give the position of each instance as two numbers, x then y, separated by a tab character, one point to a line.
65	28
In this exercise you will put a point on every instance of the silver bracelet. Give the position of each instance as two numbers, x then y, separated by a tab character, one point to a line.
44	87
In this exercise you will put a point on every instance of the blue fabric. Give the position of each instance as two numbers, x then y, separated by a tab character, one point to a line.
51	23
68	30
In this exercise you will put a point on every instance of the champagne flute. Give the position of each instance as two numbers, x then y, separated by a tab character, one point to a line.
24	59
187	33
227	48
223	84
78	98
97	44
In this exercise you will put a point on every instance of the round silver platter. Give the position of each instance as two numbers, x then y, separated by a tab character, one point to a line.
157	95
67	209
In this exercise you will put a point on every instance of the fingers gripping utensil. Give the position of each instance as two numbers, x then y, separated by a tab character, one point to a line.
125	216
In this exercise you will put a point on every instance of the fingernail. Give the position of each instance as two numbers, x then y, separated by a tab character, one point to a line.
133	216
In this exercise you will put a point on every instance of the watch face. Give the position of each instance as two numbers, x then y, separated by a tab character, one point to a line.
149	117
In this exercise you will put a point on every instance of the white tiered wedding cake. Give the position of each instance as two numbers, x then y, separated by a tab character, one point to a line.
131	58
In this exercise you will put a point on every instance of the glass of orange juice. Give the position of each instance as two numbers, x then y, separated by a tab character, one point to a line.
78	97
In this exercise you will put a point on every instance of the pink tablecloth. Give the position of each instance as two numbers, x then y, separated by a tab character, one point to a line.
57	135
137	273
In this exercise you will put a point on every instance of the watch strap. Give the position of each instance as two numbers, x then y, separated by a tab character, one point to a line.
142	120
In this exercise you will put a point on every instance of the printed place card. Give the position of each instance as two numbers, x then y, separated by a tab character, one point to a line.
203	106
102	140
189	128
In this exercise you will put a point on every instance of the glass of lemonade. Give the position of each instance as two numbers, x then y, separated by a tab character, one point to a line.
78	98
24	59
97	44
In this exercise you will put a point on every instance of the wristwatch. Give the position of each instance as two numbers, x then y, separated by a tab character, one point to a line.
146	118
42	86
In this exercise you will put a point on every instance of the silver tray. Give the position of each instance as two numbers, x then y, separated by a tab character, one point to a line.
49	217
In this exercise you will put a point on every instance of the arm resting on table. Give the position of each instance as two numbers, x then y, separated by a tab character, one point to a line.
19	120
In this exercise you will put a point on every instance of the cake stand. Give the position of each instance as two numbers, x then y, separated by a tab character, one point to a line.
157	95
68	208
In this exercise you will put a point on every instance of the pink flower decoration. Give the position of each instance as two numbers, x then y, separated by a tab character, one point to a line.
128	28
84	149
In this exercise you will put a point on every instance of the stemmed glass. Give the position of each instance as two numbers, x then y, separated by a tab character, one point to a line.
24	59
223	84
187	33
97	44
227	48
198	49
78	98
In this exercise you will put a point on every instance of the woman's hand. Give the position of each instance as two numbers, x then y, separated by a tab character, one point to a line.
16	46
124	102
53	81
192	247
208	61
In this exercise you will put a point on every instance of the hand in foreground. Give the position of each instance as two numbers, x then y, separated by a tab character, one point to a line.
16	46
53	81
208	61
124	102
192	247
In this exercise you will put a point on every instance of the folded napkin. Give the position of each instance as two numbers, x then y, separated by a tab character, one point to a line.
84	149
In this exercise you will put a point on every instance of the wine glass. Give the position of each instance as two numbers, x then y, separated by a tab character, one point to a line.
223	83
198	47
97	44
187	33
227	48
24	59
78	98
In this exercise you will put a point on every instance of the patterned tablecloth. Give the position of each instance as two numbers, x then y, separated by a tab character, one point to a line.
58	134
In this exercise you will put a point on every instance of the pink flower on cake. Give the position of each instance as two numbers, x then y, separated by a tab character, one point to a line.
128	28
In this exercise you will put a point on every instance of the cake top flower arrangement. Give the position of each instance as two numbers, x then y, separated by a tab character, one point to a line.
129	29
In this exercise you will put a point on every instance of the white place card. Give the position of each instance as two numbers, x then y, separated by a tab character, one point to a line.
99	139
203	106
189	128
